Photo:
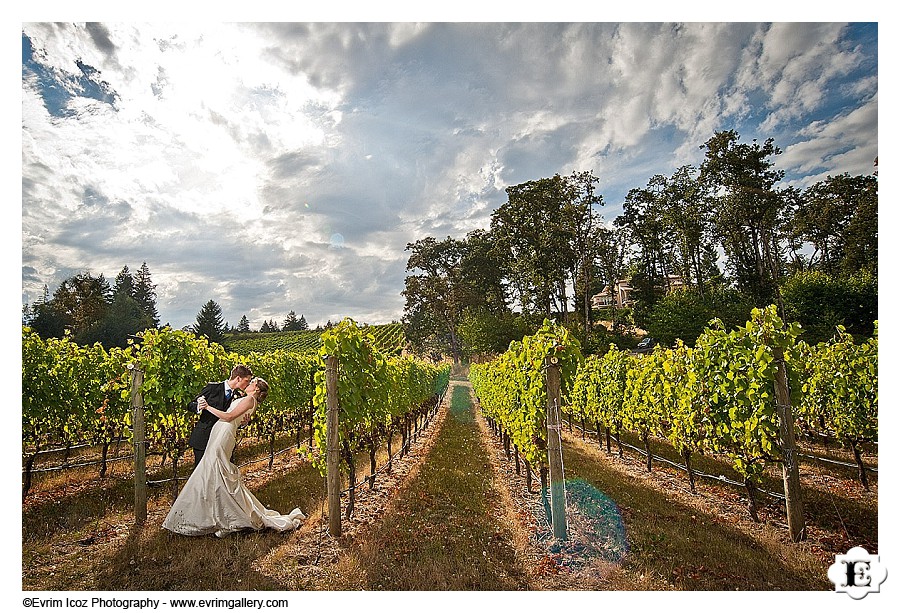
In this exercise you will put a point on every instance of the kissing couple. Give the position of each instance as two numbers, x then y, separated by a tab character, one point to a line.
214	499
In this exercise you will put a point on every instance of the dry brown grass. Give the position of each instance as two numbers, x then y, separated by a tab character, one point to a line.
706	539
87	540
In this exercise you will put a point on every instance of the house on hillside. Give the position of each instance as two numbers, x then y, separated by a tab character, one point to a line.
620	295
674	283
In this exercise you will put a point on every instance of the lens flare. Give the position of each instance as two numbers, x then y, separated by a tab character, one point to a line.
595	522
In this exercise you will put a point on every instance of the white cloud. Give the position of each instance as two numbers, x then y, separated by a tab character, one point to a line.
846	143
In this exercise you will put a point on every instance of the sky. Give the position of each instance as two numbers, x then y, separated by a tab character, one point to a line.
276	167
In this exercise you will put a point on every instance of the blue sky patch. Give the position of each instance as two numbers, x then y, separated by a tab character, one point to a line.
58	88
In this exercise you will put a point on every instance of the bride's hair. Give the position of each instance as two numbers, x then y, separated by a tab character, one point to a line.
262	389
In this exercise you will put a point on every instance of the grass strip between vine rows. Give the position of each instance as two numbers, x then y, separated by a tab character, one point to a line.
445	531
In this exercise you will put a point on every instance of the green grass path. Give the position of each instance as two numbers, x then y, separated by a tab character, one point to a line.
445	531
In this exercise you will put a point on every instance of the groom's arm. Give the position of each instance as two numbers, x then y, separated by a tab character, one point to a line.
208	392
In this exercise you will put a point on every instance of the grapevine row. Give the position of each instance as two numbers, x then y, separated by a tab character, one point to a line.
378	396
716	397
719	396
73	394
512	392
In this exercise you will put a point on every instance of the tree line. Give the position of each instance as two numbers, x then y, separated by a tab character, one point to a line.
710	241
89	310
211	324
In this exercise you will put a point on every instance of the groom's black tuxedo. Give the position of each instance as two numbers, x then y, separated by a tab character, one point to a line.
215	397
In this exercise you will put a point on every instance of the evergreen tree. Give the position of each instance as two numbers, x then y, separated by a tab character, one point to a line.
45	319
124	283
123	319
291	323
265	327
30	311
145	293
210	323
244	324
273	326
303	324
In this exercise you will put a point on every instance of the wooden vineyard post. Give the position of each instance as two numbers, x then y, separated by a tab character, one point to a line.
140	447
312	408
554	453
333	448
793	499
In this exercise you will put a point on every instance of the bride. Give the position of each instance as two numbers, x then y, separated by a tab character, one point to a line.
214	499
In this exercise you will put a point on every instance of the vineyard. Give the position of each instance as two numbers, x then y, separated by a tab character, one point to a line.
719	397
714	406
75	396
388	339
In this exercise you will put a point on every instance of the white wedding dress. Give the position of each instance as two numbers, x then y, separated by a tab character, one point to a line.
214	499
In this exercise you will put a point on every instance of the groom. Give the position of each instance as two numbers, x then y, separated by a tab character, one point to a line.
218	395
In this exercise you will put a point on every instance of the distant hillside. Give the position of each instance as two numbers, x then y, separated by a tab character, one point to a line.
389	339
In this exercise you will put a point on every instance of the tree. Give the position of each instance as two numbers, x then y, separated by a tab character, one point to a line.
861	233
582	223
82	301
424	335
122	320
647	229
244	324
145	293
291	323
481	273
750	215
303	324
685	314
124	283
484	332
210	323
821	302
669	222
45	318
686	210
611	247
839	218
91	311
534	240
265	327
436	295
